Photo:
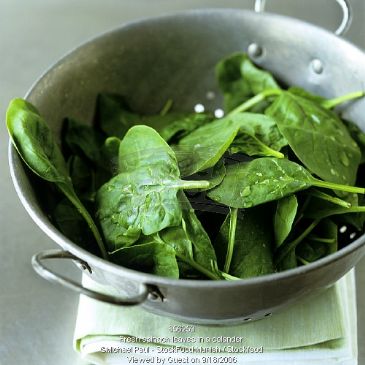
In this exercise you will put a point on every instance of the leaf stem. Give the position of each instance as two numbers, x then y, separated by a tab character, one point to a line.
231	238
321	240
90	222
304	262
335	186
250	103
229	277
274	153
289	246
357	209
331	103
166	108
320	195
191	184
198	267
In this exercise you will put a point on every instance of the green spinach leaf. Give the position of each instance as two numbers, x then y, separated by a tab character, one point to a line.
214	176
326	103
240	79
143	197
258	135
318	138
358	136
286	211
190	243
252	250
295	90
316	247
179	125
150	257
203	251
36	145
319	209
247	184
72	224
205	146
285	214
115	117
110	155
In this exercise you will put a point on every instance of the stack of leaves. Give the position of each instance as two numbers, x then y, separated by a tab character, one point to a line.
276	173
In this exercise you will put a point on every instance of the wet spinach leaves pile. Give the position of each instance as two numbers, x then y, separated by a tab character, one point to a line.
278	173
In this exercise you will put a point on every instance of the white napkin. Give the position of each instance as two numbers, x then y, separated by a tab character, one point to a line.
319	330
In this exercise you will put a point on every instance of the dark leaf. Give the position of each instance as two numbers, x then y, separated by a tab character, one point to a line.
252	255
150	257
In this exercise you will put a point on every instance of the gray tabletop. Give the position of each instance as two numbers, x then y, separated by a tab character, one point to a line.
37	318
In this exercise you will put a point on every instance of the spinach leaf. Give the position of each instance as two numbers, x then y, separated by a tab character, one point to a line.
285	214
36	145
86	179
247	184
143	197
252	250
240	79
192	247
286	211
319	209
179	125
326	103
258	135
114	116
177	238
150	256
295	90
231	238
203	251
316	247
190	243
109	155
72	224
288	262
214	176
357	220
81	174
286	251
205	146
318	138
82	139
95	155
358	136
143	147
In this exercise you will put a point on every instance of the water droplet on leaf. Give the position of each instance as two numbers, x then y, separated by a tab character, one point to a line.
246	191
344	159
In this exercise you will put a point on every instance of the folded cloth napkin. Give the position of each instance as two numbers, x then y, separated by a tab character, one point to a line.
319	330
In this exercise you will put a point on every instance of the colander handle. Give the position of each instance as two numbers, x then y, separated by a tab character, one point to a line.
344	4
50	275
